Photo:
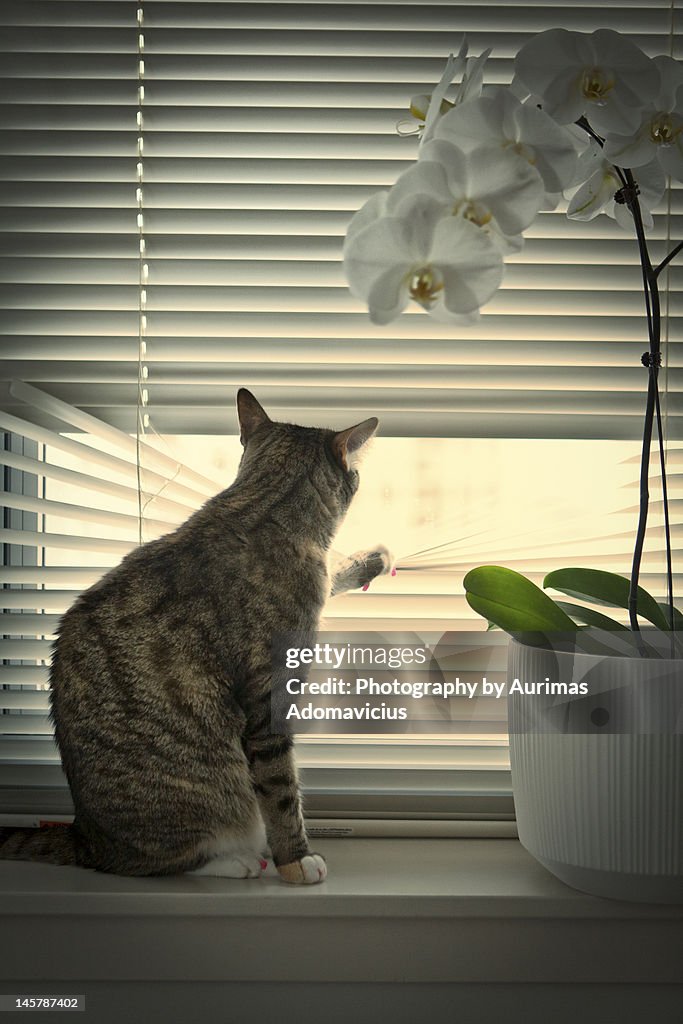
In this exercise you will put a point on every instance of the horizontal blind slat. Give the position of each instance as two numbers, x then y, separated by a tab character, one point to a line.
24	675
84	513
72	542
16	650
25	625
32	724
29	751
23	701
87	481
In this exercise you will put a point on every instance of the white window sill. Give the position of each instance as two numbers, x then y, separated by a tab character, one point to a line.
463	912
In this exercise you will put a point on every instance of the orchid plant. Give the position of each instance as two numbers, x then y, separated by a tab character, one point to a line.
590	116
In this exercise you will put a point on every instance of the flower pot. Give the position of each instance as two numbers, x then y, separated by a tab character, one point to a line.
597	776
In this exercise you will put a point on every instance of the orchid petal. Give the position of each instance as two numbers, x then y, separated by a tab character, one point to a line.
671	159
589	160
421	215
620	53
651	183
370	211
506	244
473	78
620	116
442	314
508	185
427	178
591	198
453	161
470	265
388	295
454	65
554	151
384	245
624	218
670	80
472	124
631	151
419	105
562	100
550	202
519	89
537	63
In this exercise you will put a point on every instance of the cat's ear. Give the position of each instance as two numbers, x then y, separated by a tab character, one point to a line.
250	414
346	442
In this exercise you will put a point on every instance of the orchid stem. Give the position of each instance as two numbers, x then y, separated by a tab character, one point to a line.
652	360
667	260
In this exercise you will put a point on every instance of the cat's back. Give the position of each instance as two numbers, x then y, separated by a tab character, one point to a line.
210	596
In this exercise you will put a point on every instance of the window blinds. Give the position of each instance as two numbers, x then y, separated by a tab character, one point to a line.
266	125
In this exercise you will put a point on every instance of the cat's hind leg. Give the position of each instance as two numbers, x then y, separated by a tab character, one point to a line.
235	855
237	865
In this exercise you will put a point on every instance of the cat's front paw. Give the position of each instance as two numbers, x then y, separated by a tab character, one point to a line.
307	871
375	562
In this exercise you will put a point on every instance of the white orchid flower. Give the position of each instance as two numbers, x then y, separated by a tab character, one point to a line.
492	188
603	76
428	109
660	135
596	194
454	65
501	120
445	264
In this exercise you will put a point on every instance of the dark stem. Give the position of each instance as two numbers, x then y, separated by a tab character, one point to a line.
667	527
651	359
667	259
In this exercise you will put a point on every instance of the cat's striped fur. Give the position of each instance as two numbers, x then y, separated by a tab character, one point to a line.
161	674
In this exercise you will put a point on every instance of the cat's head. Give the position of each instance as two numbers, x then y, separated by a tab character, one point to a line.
327	458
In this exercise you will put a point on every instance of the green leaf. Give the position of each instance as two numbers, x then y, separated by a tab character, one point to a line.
590	617
678	617
604	588
513	602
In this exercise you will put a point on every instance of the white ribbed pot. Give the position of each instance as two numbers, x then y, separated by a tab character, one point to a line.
598	778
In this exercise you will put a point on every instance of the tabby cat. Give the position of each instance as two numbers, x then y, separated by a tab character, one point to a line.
161	676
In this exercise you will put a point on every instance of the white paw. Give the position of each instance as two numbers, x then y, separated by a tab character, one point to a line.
377	561
243	865
314	869
388	559
307	871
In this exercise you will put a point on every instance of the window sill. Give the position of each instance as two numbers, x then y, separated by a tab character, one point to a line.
410	909
403	930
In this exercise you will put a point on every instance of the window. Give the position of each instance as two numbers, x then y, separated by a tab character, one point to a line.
265	127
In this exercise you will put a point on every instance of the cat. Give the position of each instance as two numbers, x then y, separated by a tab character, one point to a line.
161	673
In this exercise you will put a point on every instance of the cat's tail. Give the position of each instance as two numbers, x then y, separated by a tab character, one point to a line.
53	845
